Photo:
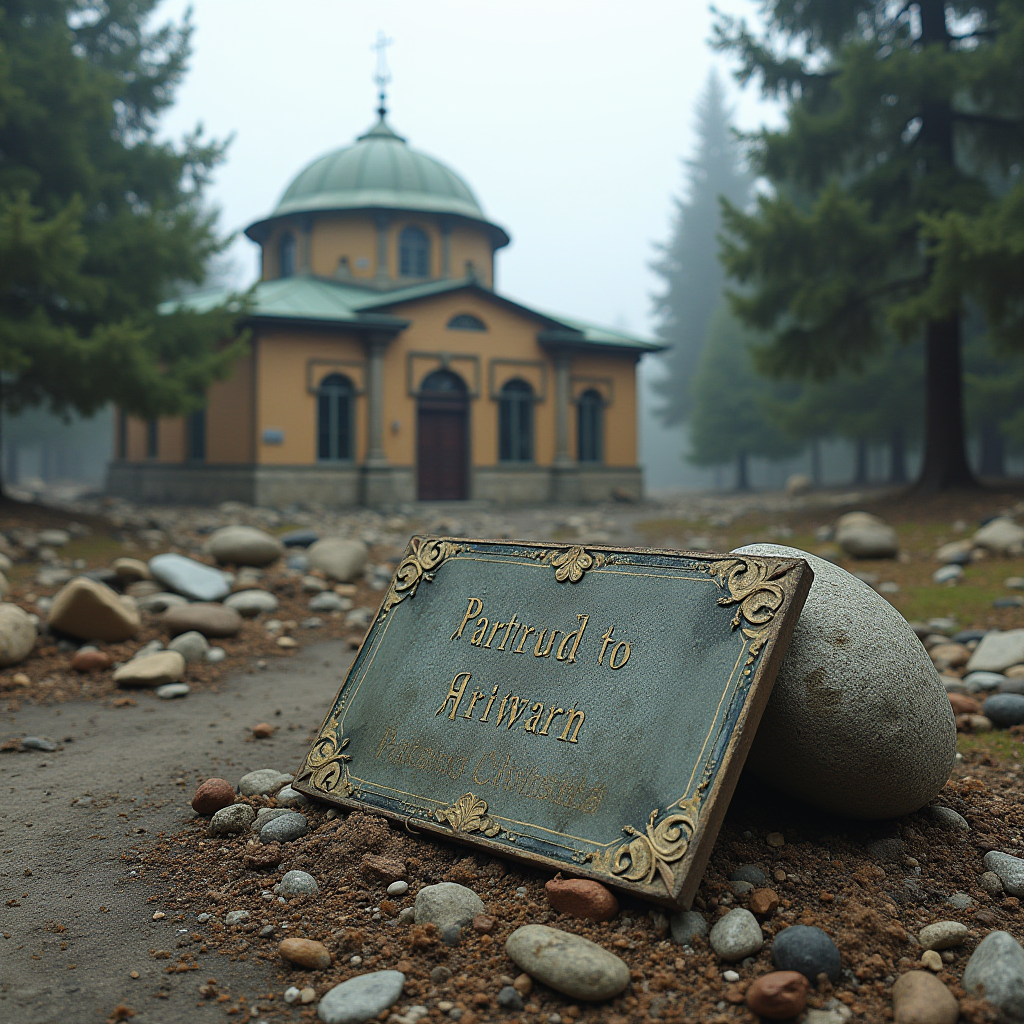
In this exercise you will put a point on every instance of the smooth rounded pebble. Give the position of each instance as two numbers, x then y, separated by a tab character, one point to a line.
89	610
297	883
1004	710
749	873
780	995
687	927
581	897
338	557
737	935
361	998
212	795
153	670
942	935
243	545
288	797
948	818
809	950
568	963
285	829
449	906
233	917
171	691
858	722
306	953
263	782
920	998
250	603
232	820
17	634
210	619
192	646
398	888
1009	869
995	972
191	579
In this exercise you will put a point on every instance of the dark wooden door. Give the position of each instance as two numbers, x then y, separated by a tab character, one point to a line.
441	448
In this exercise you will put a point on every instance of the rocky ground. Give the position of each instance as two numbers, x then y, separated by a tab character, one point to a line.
120	903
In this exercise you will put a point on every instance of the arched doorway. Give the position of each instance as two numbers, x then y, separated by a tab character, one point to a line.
441	435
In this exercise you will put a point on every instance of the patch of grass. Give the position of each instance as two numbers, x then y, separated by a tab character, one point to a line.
999	744
97	549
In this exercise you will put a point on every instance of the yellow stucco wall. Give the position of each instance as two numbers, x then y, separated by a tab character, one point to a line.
614	378
230	412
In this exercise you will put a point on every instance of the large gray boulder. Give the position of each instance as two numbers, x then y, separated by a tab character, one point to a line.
858	722
338	557
243	545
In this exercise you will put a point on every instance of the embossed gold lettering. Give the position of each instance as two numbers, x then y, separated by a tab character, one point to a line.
537	652
534	720
551	714
522	640
455	693
475	607
576	636
477	695
512	622
487	710
481	631
622	646
574	716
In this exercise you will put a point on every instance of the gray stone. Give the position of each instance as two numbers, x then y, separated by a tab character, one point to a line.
1004	709
250	603
978	682
887	850
215	654
207	617
191	579
807	949
1001	536
157	603
1009	869
510	999
338	557
858	721
330	602
285	829
449	906
192	646
997	651
995	972
960	901
991	883
863	535
1015	685
38	743
288	797
265	814
687	927
957	552
749	873
171	690
942	935
299	538
147	649
233	917
948	818
89	610
736	935
243	545
361	998
399	888
53	538
263	782
153	670
568	963
314	585
297	883
130	570
948	574
17	634
232	820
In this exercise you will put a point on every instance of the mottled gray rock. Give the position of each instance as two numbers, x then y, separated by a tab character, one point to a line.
568	963
947	574
297	883
991	883
207	617
265	814
338	557
1001	536
1009	869
153	670
749	873
89	610
687	927
960	901
806	949
942	935
858	721
997	651
995	972
1004	710
510	999
948	818
263	782
169	691
232	820
978	682
736	935
330	602
864	535
38	743
449	906
250	603
288	797
17	634
233	917
285	829
361	998
192	646
243	545
192	579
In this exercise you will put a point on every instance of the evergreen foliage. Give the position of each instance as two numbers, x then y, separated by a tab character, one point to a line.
692	276
99	220
896	190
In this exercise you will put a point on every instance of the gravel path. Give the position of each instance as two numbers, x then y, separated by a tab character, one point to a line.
74	924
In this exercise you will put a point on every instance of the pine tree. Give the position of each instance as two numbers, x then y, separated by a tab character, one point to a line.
902	119
688	265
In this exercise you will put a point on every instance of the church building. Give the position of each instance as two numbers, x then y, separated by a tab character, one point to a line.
385	367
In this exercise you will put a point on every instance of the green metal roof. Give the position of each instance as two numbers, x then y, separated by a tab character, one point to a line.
322	300
380	172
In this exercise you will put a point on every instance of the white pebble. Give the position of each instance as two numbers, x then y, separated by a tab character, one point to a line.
356	960
291	994
398	888
730	976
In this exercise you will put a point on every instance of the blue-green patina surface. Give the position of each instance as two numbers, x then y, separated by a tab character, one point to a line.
599	747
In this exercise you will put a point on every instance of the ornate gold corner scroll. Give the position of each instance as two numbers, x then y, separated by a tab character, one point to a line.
326	767
753	587
571	564
468	814
423	560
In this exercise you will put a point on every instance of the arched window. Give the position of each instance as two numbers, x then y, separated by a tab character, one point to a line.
515	422
466	322
286	255
334	408
413	253
590	413
443	380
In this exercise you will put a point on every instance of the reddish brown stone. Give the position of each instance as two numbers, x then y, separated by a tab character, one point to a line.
263	731
484	924
262	858
964	705
306	953
764	902
580	897
779	995
383	869
91	661
212	795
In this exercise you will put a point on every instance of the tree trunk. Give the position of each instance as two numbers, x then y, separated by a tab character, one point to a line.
816	462
945	463
993	450
860	461
742	476
897	456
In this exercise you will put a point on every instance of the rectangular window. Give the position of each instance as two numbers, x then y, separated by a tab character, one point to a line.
122	435
152	439
197	436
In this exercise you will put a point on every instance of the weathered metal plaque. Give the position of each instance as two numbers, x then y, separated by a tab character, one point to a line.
584	709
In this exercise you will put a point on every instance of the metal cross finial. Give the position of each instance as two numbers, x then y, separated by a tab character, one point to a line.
383	75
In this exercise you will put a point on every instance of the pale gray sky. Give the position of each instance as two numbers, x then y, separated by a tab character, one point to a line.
568	118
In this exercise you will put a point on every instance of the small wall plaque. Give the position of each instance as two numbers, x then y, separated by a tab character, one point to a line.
586	709
271	435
